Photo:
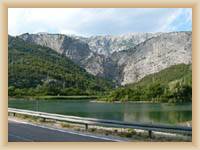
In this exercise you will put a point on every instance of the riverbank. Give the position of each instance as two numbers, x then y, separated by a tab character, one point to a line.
120	102
186	123
92	98
55	97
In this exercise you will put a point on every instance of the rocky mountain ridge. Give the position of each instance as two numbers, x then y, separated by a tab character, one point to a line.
125	58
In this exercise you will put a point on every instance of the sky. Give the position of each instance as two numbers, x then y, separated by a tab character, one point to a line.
98	21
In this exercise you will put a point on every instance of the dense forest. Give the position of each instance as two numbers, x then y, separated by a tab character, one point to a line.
37	70
173	84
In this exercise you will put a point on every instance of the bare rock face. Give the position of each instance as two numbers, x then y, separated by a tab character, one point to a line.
73	48
106	45
53	41
124	58
156	54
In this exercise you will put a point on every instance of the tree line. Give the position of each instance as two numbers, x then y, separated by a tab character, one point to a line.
173	85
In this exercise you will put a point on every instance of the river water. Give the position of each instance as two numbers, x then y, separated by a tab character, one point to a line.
129	112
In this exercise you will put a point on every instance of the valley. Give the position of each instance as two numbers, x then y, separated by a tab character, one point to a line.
123	59
113	68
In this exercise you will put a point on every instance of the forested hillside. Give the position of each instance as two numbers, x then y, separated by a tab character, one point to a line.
38	70
125	58
173	84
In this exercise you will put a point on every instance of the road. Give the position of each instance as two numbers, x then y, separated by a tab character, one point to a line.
24	132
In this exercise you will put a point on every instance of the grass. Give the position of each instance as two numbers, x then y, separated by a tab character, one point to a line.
49	97
67	97
65	125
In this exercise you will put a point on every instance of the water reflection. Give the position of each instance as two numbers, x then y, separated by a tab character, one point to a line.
150	113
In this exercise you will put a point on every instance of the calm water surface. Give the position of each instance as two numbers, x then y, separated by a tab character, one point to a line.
130	112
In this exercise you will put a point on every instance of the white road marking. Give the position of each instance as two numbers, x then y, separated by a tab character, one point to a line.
70	132
20	137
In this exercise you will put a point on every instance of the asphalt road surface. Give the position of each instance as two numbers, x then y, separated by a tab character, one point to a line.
22	132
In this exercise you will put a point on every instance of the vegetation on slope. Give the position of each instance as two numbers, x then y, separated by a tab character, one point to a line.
173	84
37	70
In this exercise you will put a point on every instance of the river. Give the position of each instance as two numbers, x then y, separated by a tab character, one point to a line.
130	112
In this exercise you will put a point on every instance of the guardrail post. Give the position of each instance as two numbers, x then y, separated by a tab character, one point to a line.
150	134
14	114
86	126
43	119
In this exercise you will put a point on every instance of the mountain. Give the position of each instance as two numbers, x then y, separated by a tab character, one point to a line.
108	44
39	70
123	59
172	84
154	55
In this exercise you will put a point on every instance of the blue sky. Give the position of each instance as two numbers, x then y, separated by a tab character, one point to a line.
98	21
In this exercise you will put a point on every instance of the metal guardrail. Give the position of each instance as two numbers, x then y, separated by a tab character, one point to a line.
106	123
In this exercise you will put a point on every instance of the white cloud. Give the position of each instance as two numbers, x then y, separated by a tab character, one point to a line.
168	20
93	21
